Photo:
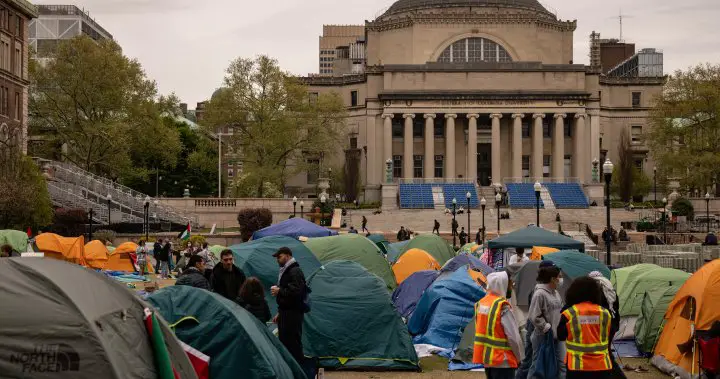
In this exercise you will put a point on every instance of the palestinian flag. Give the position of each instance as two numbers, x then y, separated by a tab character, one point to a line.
162	357
185	235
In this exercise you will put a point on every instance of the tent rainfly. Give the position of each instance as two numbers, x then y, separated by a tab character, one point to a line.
533	236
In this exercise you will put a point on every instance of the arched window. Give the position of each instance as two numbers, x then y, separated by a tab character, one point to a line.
474	50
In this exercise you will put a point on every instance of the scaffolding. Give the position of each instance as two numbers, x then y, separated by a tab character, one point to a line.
595	57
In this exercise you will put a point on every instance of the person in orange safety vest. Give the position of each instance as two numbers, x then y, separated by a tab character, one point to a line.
585	326
497	336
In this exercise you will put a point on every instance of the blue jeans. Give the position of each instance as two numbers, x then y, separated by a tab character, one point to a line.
524	367
536	340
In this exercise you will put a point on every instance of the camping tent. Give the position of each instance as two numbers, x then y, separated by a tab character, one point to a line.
395	249
539	251
356	248
466	259
63	248
636	282
535	236
15	238
575	264
255	259
239	346
217	249
470	248
96	254
445	309
407	294
63	321
654	305
381	242
699	297
294	227
121	259
412	261
353	323
434	245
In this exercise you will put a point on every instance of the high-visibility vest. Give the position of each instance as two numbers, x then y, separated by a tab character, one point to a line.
491	345
588	329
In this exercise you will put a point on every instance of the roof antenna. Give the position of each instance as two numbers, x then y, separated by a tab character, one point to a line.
620	19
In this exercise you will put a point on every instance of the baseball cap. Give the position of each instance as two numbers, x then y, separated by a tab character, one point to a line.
283	250
547	263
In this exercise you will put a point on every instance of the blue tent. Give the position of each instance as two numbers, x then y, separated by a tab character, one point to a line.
466	259
407	294
395	249
294	227
445	309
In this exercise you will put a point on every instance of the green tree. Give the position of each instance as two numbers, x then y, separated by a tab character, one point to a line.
276	122
101	107
685	136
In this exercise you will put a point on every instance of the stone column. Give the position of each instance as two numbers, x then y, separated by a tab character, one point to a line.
537	150
580	164
450	145
387	138
496	165
429	164
472	147
408	146
517	145
558	156
371	166
595	136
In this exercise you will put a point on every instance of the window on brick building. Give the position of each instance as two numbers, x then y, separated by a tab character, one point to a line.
417	166
397	166
636	97
353	98
439	166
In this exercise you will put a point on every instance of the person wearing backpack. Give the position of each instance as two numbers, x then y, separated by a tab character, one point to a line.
291	295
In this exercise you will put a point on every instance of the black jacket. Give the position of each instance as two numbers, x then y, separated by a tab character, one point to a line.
227	283
292	289
194	278
257	306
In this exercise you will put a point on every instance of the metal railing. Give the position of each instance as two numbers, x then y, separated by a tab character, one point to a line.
543	180
433	181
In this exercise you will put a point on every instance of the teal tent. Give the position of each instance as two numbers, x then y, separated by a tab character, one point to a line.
239	346
255	259
575	264
381	242
434	245
652	312
15	238
534	236
395	249
353	323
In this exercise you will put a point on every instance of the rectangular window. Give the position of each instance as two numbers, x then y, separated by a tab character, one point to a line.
546	166
439	166
417	166
635	99
418	127
397	166
18	106
231	173
639	164
312	172
353	98
439	130
525	129
546	128
526	166
18	26
636	133
567	165
567	128
397	127
353	143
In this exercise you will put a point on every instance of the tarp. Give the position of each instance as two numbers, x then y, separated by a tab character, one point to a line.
121	259
239	346
699	295
63	321
96	254
412	261
434	245
535	236
15	238
409	292
294	227
356	248
353	324
381	242
636	282
445	309
255	259
654	305
539	251
63	248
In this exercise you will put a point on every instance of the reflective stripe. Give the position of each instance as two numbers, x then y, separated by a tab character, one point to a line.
577	335
491	328
604	322
589	320
583	348
493	343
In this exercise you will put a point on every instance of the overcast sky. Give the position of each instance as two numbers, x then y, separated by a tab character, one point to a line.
185	45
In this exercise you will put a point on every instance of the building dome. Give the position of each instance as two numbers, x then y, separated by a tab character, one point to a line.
402	6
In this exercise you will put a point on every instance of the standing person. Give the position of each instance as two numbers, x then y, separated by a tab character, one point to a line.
607	236
544	313
402	234
141	255
156	250
364	225
290	293
163	261
524	366
519	257
585	325
610	302
454	227
193	275
436	227
252	298
478	237
463	236
227	279
497	337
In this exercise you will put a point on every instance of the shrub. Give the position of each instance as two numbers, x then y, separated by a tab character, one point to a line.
105	236
69	222
683	207
252	220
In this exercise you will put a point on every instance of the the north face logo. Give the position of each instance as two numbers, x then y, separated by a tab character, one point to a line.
48	358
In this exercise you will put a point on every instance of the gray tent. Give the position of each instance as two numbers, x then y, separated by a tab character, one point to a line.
62	321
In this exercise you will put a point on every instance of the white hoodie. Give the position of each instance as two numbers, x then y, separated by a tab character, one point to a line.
497	284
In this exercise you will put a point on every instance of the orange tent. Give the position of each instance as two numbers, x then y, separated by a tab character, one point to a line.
63	248
96	254
122	258
412	261
477	276
697	302
539	251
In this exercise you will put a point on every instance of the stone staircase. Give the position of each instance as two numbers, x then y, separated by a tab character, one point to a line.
546	198
582	237
488	193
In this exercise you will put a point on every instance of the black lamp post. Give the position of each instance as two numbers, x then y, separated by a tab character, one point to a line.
294	205
147	217
323	199
468	196
91	222
607	171
664	217
109	200
302	205
483	203
707	210
498	199
655	193
538	188
454	229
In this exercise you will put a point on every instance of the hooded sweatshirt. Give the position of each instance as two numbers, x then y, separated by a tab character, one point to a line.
545	308
497	284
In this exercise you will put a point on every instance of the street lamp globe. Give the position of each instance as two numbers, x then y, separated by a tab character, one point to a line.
707	195
483	202
498	198
302	203
454	201
468	195
608	166
147	199
537	186
323	199
294	199
664	200
109	197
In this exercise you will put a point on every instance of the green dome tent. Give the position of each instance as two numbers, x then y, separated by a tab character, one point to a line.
434	245
575	264
380	241
239	346
655	303
353	323
15	238
217	249
632	282
255	259
355	248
